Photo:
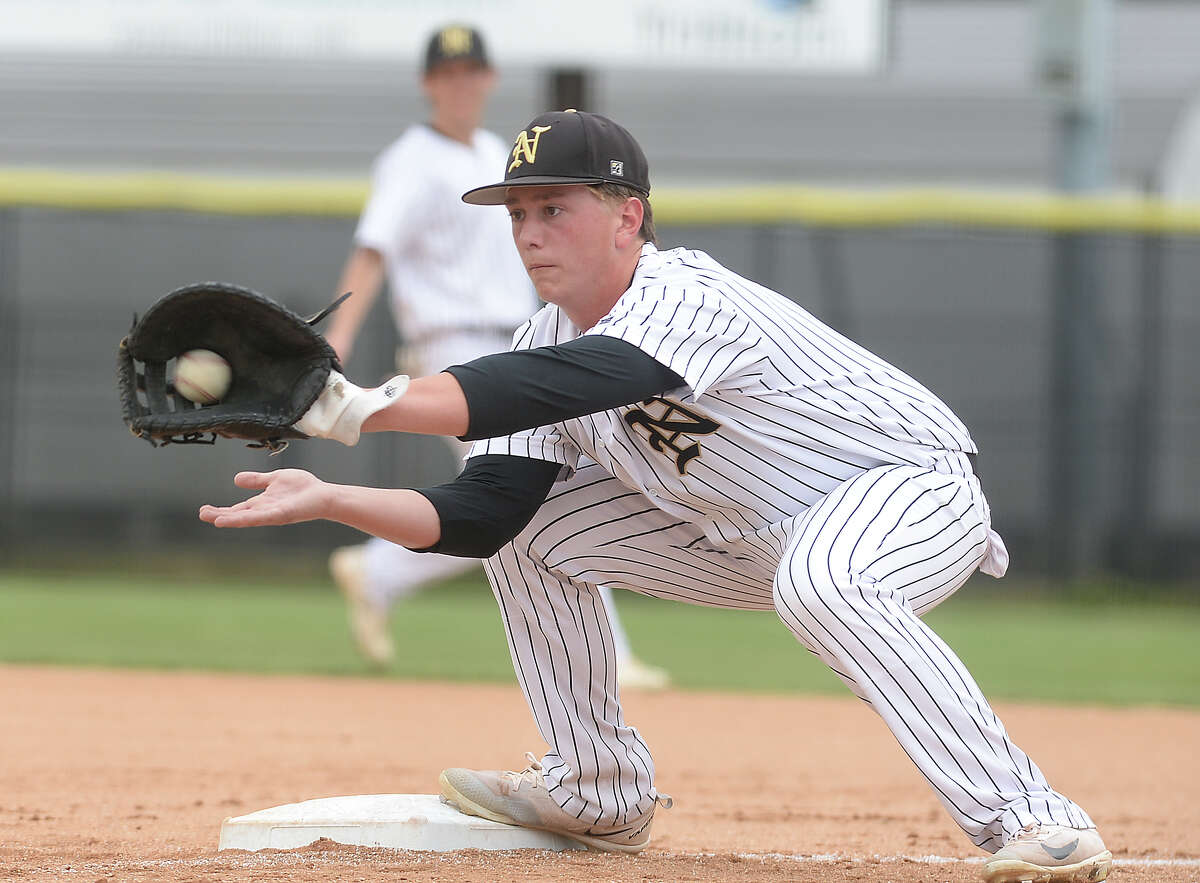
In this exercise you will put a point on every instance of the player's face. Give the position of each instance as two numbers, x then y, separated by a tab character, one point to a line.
568	240
459	90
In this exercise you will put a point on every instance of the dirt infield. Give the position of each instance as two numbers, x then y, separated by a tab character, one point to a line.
127	776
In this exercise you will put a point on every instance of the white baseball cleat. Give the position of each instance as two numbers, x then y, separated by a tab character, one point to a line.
522	799
368	620
1050	854
633	674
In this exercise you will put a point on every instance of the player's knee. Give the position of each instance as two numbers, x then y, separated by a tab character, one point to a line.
804	596
794	599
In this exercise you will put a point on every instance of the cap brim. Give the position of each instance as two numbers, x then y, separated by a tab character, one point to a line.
496	194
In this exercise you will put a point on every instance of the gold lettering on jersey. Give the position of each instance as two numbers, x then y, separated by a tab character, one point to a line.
668	423
525	150
455	41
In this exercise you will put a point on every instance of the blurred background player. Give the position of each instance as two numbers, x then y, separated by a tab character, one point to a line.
458	291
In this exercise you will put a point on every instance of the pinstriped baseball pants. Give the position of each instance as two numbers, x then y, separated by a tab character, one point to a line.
849	577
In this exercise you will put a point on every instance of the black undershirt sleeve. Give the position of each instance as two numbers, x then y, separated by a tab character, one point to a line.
489	503
497	495
510	392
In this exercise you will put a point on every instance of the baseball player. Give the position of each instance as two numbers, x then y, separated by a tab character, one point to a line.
458	290
666	426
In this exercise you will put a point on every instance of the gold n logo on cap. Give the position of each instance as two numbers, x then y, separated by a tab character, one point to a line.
455	41
525	150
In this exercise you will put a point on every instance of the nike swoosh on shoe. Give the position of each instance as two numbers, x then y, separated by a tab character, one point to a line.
1060	853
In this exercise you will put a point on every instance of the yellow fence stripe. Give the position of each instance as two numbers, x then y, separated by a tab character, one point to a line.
103	191
923	206
114	191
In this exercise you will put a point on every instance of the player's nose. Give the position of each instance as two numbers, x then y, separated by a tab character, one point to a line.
527	234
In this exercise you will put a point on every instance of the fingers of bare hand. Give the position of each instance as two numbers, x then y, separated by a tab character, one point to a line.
252	479
242	515
217	515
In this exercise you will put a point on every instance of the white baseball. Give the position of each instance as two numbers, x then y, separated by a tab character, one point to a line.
202	376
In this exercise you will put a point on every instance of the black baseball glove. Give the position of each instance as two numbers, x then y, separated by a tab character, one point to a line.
280	366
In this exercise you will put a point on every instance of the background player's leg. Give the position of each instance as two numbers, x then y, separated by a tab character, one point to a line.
620	639
375	575
394	572
593	531
887	543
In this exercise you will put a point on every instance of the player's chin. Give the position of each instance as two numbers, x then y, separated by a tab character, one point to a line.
546	282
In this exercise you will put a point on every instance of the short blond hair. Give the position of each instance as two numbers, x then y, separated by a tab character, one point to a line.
616	194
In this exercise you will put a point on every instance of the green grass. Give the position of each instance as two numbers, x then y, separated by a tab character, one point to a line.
1104	652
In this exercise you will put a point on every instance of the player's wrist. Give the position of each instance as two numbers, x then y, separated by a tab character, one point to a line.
342	408
338	503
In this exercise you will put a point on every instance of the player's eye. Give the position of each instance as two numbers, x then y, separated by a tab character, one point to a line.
552	210
516	214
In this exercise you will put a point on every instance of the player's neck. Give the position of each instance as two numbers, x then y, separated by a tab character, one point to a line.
592	309
455	130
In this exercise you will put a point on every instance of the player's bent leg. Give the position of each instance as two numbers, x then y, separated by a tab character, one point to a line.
854	567
598	770
593	531
632	672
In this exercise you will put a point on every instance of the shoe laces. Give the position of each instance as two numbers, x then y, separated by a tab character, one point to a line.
533	774
1034	831
1028	832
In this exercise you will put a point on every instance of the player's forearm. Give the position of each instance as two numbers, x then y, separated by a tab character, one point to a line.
431	406
497	395
363	276
508	392
398	515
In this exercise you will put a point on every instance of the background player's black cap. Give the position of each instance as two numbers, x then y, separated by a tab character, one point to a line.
569	147
455	43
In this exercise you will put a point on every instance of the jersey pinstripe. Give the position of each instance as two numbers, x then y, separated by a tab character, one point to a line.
778	410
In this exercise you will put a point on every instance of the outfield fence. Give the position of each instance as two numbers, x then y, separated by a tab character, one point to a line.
1085	407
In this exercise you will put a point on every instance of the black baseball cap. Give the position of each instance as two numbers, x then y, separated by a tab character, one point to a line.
569	147
455	43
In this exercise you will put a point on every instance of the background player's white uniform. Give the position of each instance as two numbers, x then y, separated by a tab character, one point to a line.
458	290
795	471
453	272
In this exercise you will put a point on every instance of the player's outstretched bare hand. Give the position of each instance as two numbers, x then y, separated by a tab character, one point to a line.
288	496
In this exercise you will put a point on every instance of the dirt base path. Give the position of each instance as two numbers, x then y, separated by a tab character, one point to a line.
127	776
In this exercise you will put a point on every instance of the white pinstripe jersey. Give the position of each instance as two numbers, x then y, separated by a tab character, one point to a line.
778	410
450	265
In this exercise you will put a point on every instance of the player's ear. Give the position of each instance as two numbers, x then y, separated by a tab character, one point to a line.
630	221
